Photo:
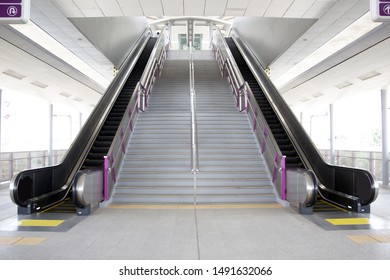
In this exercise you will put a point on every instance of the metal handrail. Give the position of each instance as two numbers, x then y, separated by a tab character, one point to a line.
115	155
194	131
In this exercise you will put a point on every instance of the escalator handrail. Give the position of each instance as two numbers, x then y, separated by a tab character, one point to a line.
309	154
113	159
59	178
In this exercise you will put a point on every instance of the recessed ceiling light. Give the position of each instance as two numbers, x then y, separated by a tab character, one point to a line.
39	84
318	94
14	74
344	85
369	75
65	94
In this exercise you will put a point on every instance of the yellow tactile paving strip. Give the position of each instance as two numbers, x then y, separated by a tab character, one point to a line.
349	221
31	241
40	223
366	239
191	206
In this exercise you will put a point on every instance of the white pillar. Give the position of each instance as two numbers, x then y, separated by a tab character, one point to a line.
50	148
331	134
385	152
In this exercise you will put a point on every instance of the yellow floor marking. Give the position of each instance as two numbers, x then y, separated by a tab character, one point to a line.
9	240
349	221
383	238
40	223
32	241
362	239
21	240
199	206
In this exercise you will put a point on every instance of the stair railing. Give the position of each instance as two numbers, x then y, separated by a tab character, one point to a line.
138	102
194	131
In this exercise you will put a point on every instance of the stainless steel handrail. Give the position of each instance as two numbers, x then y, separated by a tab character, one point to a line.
115	155
194	132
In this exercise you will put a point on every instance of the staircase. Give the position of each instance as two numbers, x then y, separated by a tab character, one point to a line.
231	167
157	167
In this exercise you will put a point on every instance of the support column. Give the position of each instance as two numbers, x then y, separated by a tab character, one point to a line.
385	152
50	149
331	134
80	120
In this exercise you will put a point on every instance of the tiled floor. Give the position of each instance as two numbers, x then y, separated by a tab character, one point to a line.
187	233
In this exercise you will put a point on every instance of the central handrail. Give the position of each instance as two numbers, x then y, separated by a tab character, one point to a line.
194	131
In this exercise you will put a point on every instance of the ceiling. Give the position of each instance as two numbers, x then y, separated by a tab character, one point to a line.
55	17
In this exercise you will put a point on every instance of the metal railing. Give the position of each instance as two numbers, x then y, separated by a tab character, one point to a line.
138	101
13	162
368	160
246	101
194	131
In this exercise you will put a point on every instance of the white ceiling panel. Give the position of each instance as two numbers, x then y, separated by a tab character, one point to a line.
215	7
302	4
131	7
69	8
194	8
237	4
110	8
151	7
173	7
257	8
319	8
278	8
86	4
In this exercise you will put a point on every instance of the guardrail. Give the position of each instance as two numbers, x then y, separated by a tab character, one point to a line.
138	101
13	162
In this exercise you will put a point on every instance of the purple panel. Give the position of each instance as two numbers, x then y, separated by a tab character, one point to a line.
254	121
275	168
105	178
10	1
10	11
384	9
283	192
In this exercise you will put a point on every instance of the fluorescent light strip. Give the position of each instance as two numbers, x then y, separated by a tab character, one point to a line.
36	34
350	34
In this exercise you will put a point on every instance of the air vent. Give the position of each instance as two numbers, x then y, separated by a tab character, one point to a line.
65	94
344	85
369	75
14	74
39	84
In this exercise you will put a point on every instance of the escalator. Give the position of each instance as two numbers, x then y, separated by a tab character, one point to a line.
104	139
50	188
346	188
